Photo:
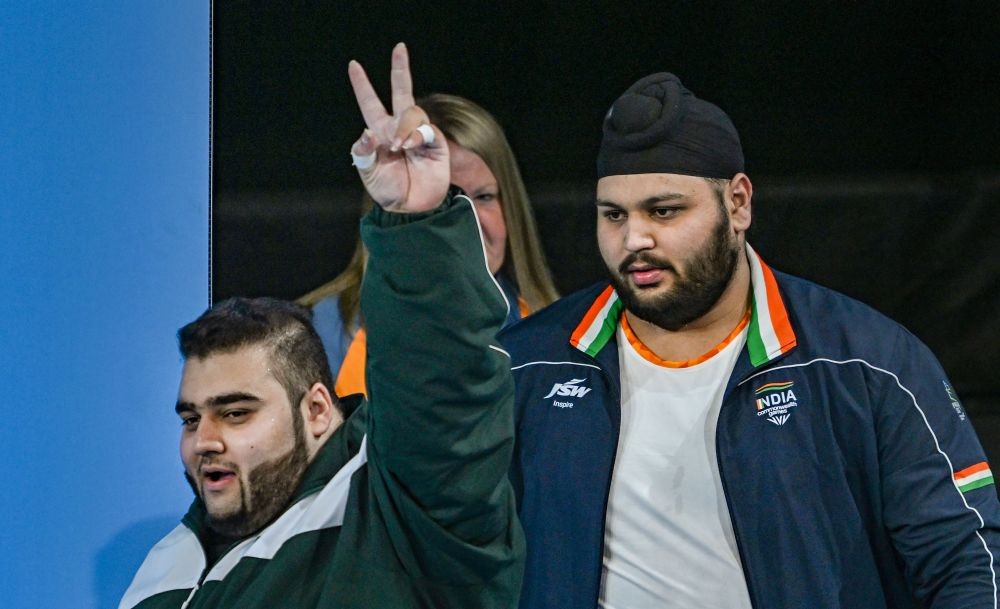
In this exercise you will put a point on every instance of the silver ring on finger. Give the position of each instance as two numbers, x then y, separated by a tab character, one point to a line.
363	162
427	133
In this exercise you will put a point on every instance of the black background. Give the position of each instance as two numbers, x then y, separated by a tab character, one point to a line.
869	131
841	88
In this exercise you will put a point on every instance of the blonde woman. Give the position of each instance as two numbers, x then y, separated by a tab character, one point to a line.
483	165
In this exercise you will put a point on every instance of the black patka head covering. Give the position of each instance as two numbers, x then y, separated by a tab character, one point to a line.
658	126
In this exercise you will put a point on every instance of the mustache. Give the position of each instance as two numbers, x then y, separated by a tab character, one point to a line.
210	461
645	258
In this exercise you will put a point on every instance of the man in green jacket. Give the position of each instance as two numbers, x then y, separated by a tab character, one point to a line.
400	501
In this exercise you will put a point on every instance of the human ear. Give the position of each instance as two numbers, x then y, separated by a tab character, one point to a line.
320	412
741	191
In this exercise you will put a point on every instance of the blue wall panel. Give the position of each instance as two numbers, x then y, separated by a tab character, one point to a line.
104	180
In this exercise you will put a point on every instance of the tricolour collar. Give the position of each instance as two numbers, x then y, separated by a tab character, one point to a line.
599	323
770	333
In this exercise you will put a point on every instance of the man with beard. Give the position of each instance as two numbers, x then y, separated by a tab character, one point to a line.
399	501
705	432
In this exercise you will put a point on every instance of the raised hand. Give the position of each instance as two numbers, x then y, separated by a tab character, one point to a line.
402	159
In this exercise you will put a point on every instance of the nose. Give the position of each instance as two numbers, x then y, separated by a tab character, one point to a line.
638	237
208	437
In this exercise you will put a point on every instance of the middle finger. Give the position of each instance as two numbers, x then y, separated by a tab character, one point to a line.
402	83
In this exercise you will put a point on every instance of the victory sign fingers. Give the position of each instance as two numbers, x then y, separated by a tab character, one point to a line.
401	158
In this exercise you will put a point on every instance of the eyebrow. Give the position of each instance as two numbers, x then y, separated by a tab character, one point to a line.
217	401
645	203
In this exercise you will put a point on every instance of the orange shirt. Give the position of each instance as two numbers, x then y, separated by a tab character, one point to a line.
351	378
649	356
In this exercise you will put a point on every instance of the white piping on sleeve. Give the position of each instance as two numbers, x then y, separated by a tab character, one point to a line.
496	348
486	262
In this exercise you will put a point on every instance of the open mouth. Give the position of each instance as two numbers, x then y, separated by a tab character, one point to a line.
217	477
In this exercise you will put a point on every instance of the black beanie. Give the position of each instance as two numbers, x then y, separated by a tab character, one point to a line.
658	126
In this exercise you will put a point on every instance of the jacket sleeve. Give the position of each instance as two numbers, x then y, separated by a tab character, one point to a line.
940	503
440	435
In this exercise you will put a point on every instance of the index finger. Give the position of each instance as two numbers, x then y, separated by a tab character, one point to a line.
368	102
402	83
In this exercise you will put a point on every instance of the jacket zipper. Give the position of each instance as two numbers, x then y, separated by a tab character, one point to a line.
607	489
729	505
201	580
204	574
191	596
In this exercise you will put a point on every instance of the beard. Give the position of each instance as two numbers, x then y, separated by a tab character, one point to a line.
695	291
265	491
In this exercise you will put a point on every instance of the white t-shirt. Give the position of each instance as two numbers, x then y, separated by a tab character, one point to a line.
669	541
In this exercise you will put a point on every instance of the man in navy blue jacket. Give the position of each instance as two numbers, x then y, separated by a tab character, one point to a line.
705	432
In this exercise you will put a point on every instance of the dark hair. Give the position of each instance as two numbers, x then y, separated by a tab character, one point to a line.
296	353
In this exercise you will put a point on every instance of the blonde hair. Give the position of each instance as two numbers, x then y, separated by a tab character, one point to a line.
470	126
347	284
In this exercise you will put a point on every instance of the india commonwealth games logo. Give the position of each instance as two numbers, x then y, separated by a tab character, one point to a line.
774	400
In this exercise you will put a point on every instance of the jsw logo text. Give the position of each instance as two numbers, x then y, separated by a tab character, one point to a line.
569	388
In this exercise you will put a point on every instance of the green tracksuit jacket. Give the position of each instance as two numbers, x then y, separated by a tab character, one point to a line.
408	503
